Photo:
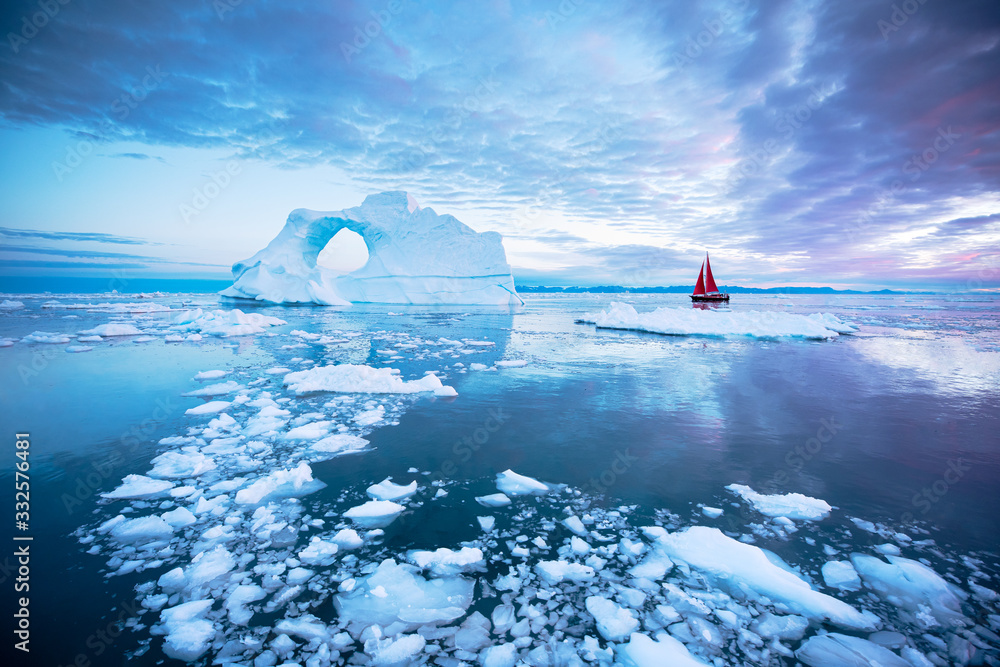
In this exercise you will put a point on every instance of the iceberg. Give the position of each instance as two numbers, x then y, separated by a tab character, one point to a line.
415	256
695	322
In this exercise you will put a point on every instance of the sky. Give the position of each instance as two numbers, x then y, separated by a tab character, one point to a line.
851	143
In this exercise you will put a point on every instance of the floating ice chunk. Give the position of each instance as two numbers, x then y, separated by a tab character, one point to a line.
113	329
339	443
78	348
209	408
218	389
310	431
270	418
579	547
556	571
512	484
913	586
493	500
186	462
841	574
223	322
207	567
501	655
837	650
711	512
375	513
653	567
8	304
237	601
179	517
575	525
397	593
142	529
446	562
396	651
369	417
319	552
511	363
353	378
210	375
486	522
888	549
386	490
289	483
307	627
139	486
791	505
188	634
641	651
89	339
743	566
866	526
347	538
45	337
771	626
613	622
695	322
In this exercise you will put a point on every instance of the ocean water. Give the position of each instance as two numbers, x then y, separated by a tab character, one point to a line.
896	427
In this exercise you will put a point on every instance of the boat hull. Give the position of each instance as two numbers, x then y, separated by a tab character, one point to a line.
710	297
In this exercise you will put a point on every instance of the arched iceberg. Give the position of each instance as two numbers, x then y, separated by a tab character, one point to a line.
414	256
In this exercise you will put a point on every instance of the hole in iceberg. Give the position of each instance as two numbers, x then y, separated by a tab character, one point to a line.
346	252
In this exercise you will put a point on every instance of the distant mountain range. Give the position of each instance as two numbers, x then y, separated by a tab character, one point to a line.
687	289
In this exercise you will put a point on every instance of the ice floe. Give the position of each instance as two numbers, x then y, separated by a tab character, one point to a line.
697	322
790	505
353	378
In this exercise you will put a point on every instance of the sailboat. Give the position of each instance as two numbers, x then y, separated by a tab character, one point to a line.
706	289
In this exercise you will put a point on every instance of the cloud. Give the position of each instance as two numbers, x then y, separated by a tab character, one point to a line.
794	138
139	156
95	237
95	255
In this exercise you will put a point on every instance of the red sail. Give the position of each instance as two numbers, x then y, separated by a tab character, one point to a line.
709	280
700	287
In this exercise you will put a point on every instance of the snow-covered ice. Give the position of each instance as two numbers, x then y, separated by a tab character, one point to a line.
512	484
387	490
375	513
353	378
697	322
738	566
790	505
113	329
